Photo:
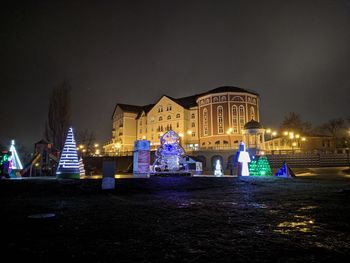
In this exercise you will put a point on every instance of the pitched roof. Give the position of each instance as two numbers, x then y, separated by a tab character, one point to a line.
186	102
228	89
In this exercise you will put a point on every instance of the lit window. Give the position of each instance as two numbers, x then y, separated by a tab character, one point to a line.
220	115
205	121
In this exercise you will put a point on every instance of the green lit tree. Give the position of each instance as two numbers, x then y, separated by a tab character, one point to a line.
252	167
263	167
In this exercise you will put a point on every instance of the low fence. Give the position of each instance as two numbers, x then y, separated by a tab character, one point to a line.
309	160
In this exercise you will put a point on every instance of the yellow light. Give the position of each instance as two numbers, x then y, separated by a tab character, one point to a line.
230	130
189	132
36	164
96	144
291	136
143	137
84	150
274	133
268	131
297	136
81	146
77	148
262	153
161	134
117	145
285	133
181	134
294	144
303	139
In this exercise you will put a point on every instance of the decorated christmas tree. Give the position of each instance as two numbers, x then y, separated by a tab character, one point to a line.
253	167
263	167
68	166
81	167
15	161
169	153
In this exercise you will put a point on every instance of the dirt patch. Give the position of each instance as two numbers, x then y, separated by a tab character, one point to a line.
178	220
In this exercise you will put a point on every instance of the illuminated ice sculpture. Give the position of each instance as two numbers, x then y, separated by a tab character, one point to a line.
169	153
218	168
68	166
243	159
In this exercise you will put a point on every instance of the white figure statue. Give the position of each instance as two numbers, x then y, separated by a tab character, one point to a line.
243	159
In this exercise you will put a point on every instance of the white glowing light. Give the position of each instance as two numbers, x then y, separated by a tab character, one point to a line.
16	162
244	159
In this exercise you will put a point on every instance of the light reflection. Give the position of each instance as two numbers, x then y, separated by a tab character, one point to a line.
298	223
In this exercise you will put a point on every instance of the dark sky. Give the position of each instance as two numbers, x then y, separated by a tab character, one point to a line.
295	54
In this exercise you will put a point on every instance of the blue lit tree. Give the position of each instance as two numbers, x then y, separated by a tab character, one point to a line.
169	153
68	166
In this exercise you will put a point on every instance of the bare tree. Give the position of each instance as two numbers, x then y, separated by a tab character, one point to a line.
334	127
59	114
293	122
86	138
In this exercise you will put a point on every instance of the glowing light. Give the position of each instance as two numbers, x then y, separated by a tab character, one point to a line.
274	133
169	153
189	132
285	133
261	167
81	167
294	144
14	159
244	159
218	168
297	136
268	131
96	144
262	153
68	166
143	137
303	139
181	134
117	145
291	135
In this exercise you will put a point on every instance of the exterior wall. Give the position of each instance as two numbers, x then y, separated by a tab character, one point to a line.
165	115
237	110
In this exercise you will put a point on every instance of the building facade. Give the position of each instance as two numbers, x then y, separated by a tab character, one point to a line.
211	120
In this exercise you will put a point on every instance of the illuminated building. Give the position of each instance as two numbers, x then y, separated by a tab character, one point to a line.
211	120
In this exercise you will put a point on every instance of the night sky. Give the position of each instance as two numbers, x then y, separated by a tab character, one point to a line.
295	54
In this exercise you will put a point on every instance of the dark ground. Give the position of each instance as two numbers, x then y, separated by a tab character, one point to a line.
178	220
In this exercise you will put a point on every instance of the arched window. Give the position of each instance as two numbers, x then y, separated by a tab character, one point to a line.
241	117
160	118
193	124
220	118
192	116
178	115
235	119
160	109
205	122
252	113
169	117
